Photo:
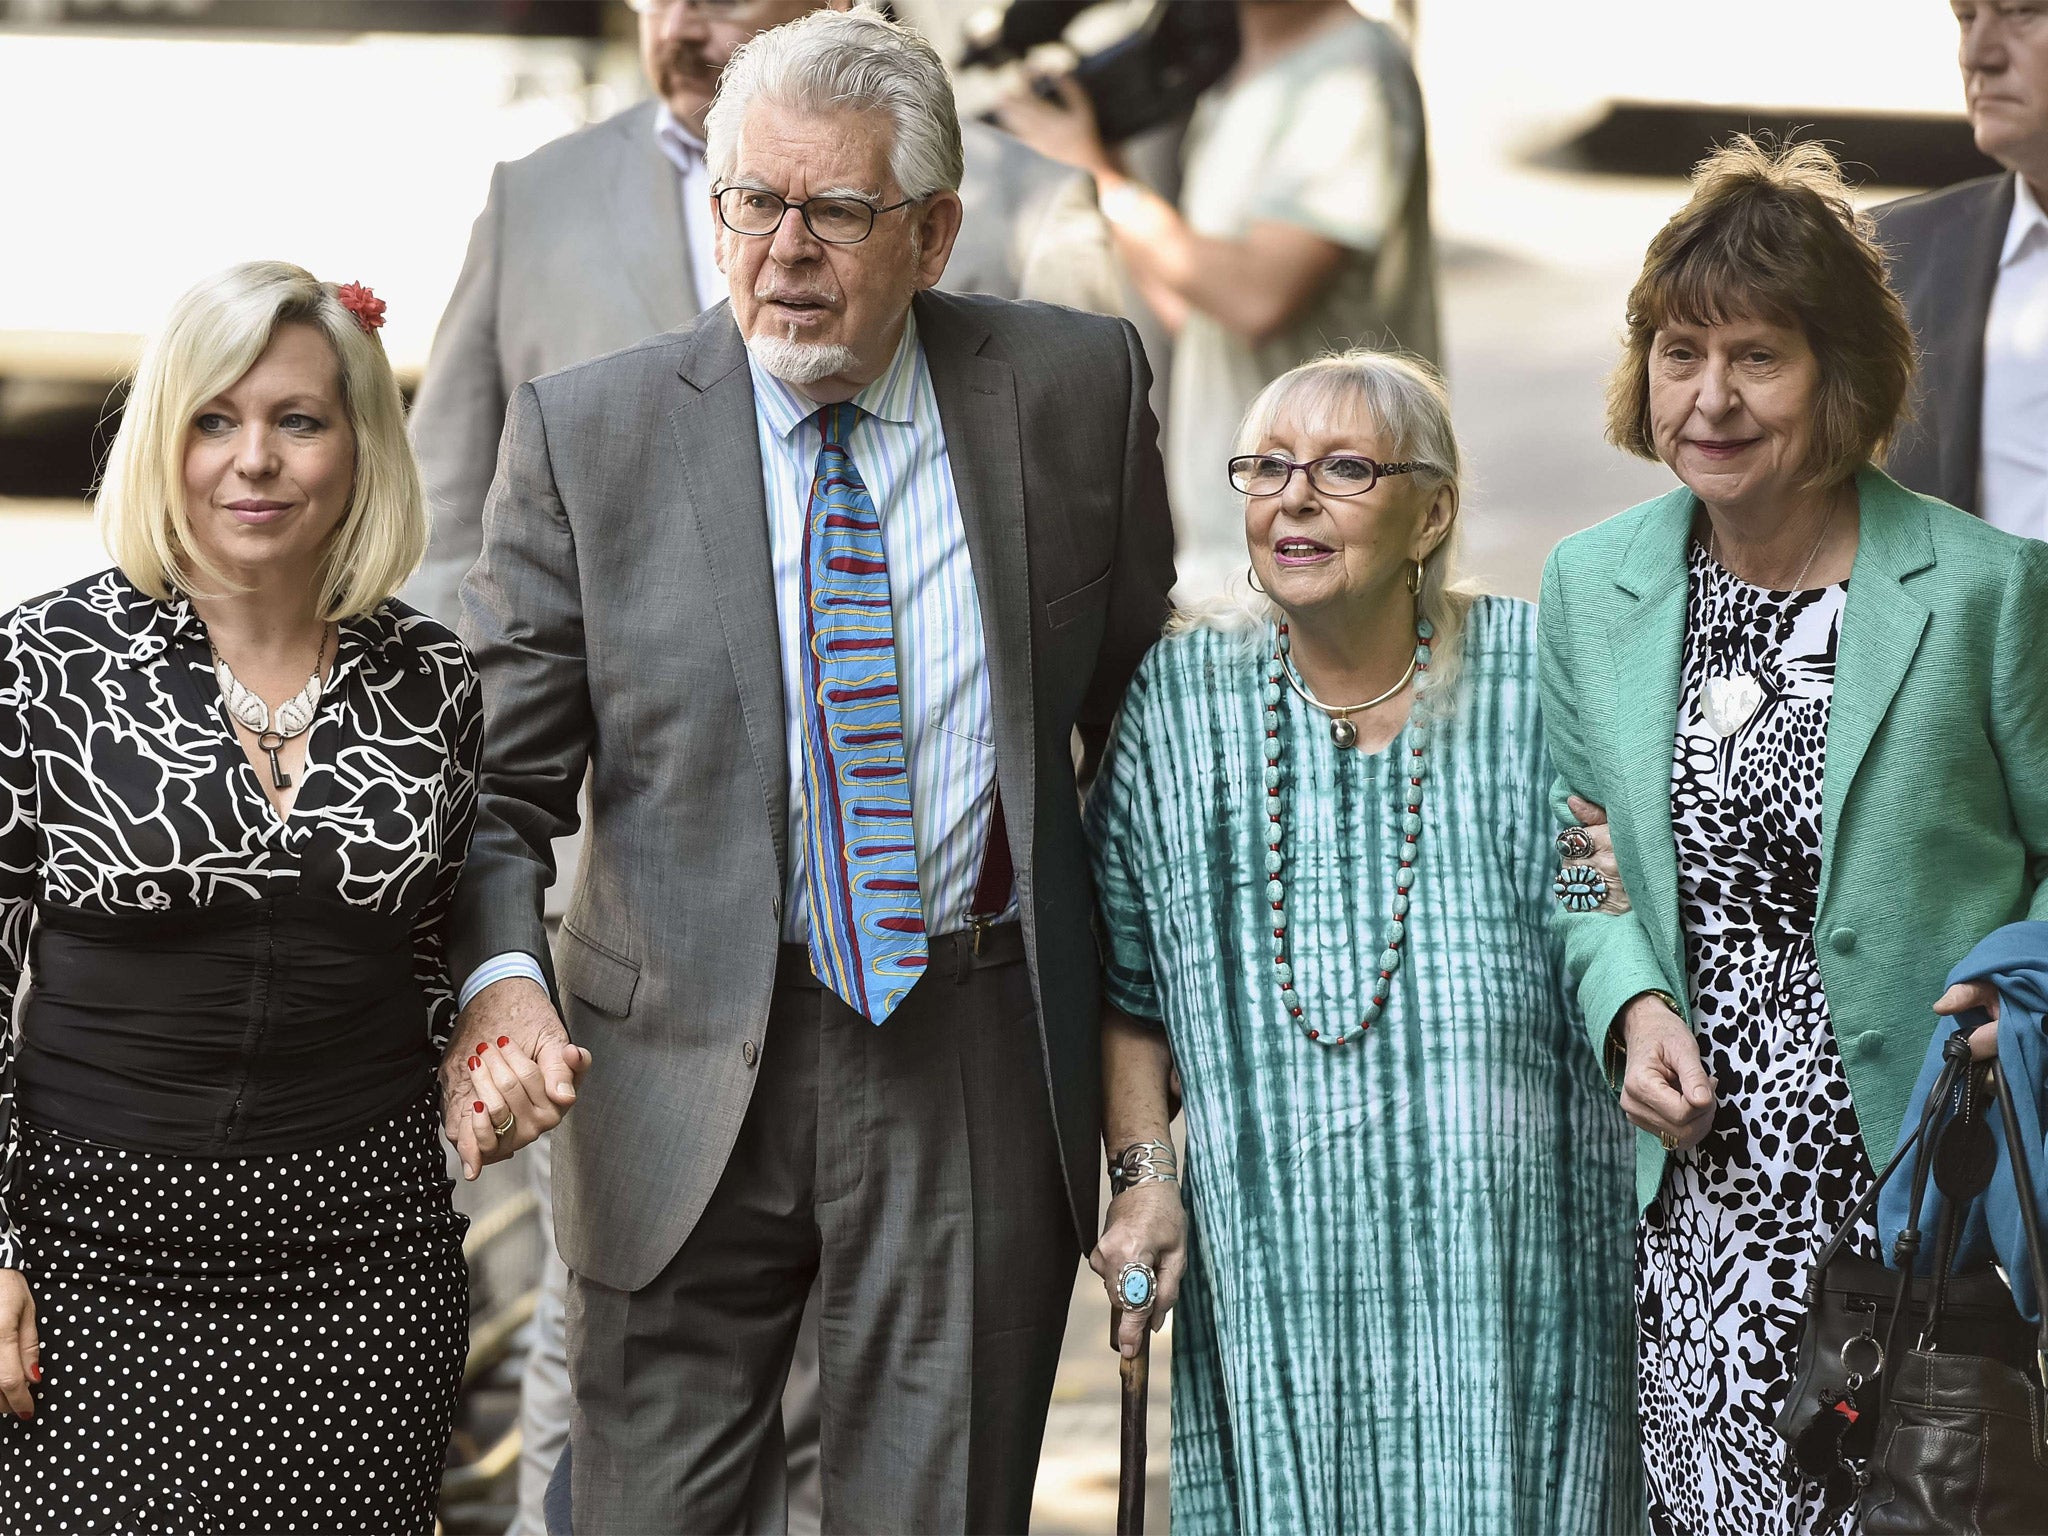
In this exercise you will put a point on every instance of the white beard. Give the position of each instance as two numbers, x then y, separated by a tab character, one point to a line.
801	362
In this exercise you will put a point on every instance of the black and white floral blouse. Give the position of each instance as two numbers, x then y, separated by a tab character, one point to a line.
123	788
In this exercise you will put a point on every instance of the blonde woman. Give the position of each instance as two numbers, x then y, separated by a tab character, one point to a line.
236	786
1325	868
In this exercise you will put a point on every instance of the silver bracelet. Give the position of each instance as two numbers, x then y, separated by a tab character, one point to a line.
1142	1162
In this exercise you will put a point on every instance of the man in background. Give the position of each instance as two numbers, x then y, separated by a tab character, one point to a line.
1302	225
591	243
1971	262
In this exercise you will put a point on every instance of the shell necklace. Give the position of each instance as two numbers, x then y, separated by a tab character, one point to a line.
1726	703
293	716
1395	936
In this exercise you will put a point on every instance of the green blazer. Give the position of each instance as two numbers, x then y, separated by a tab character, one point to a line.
1934	805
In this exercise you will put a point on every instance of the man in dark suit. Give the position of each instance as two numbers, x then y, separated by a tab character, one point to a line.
1971	262
815	592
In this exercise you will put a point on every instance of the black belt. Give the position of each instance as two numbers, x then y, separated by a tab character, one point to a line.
952	954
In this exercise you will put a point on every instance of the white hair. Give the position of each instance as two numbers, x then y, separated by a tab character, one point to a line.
1403	399
846	61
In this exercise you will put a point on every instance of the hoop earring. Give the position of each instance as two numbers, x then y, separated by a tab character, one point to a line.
1251	576
1415	581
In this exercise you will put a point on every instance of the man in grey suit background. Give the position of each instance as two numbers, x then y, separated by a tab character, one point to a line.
1971	262
820	1047
591	243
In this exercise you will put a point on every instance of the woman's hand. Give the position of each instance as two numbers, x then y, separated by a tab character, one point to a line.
20	1350
1146	1226
1961	998
1593	822
1665	1090
510	1057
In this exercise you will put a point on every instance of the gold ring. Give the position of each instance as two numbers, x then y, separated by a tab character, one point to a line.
1670	1141
510	1121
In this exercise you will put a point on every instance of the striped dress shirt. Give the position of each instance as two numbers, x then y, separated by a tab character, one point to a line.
899	449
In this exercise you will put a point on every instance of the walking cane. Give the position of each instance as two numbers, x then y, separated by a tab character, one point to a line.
1137	1285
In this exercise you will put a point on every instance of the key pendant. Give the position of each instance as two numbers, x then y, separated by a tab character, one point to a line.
273	743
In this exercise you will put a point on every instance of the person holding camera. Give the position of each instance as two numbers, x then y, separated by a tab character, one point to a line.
1302	225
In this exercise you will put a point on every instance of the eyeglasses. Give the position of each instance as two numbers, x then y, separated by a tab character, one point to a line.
1334	474
834	220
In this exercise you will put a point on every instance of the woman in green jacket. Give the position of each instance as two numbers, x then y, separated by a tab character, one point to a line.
1815	709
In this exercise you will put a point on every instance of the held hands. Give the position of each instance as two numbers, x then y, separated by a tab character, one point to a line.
1063	129
510	1057
1666	1090
1961	998
1146	1226
19	1348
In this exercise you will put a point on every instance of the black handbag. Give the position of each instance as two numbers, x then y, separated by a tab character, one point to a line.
1945	1435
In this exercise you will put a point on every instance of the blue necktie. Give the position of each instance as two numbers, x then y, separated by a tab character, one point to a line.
860	872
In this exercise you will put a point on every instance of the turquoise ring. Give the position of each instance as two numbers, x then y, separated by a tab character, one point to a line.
1580	888
1137	1287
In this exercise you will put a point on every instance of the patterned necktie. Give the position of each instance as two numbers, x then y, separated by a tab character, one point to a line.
860	872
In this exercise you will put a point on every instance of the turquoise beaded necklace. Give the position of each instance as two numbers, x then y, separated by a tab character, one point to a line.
1395	936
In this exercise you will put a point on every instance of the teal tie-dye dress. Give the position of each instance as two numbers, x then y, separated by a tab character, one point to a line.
1407	1306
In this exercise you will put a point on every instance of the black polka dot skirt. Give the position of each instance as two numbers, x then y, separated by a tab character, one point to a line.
269	1343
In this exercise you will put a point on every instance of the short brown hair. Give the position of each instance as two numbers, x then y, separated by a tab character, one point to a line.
1769	234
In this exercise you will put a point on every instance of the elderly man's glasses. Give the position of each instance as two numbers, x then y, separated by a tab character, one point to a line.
1334	474
834	220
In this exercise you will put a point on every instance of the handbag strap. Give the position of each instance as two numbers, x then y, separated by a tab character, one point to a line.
2030	1217
1868	1199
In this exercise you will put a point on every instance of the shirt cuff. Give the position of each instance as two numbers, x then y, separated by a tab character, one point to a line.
514	962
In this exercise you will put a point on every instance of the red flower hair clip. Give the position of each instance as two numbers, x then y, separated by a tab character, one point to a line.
363	304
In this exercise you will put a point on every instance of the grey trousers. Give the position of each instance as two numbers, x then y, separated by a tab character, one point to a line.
912	1170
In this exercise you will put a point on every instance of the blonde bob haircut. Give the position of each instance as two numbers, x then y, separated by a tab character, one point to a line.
1401	400
214	335
1769	234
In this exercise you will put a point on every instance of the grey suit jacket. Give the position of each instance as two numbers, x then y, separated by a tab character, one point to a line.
1944	262
580	251
623	616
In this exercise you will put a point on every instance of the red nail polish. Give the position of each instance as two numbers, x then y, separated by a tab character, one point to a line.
475	1062
35	1372
20	1415
482	1046
478	1106
503	1041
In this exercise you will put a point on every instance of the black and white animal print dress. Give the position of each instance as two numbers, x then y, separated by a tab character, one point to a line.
220	1169
1723	1252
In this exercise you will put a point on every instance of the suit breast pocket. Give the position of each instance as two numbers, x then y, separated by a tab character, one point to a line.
603	979
1084	599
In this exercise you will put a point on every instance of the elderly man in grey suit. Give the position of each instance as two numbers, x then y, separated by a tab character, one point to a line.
1971	262
816	592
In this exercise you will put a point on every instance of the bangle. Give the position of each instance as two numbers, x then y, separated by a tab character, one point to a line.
1142	1162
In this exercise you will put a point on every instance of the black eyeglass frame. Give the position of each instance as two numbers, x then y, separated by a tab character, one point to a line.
803	211
1379	472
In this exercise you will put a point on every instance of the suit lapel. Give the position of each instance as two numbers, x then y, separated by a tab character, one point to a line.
1959	371
1645	643
727	508
977	398
1882	623
648	213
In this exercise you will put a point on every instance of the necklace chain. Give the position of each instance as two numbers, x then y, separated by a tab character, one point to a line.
1394	938
1799	581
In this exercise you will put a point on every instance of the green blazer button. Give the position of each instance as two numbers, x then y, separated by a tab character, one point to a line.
1843	940
1870	1043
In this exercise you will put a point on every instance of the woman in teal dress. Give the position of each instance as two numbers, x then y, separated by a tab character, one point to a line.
1402	1273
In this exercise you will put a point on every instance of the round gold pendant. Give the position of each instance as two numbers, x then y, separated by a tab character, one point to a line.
1343	733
